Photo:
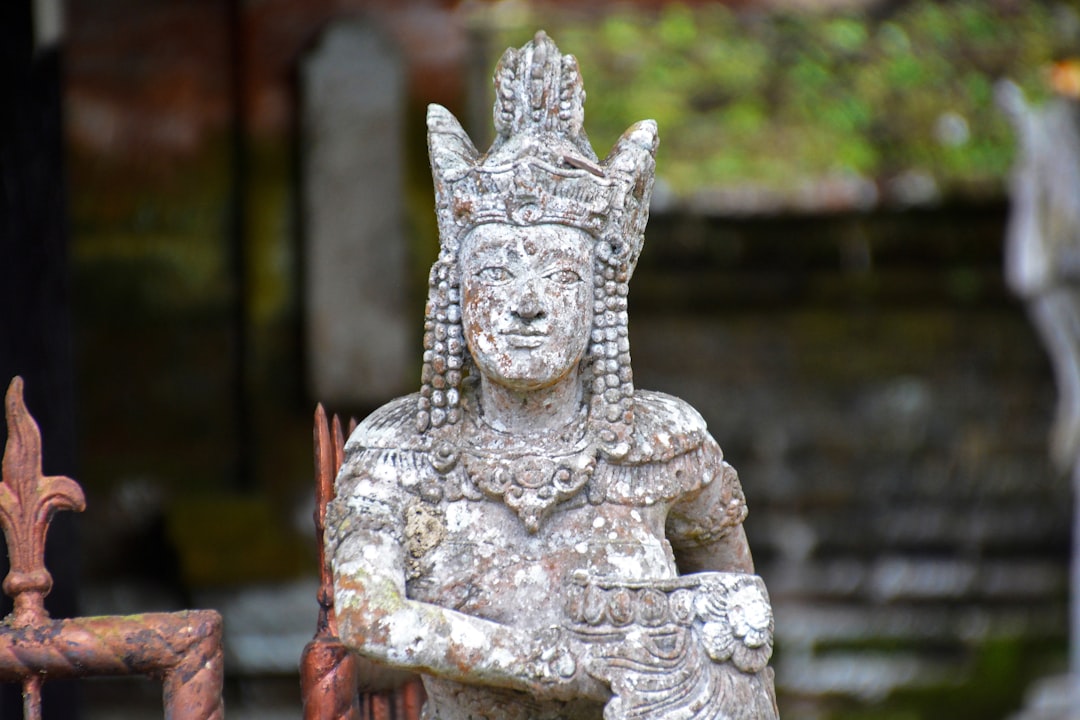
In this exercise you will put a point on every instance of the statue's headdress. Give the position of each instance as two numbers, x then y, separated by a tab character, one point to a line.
540	169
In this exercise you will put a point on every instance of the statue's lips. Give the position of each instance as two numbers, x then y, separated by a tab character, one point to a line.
525	339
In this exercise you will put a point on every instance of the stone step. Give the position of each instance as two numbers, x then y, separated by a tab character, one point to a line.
806	625
899	578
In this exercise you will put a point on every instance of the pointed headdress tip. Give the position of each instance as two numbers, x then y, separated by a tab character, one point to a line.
450	148
641	137
645	135
439	118
435	115
538	91
442	122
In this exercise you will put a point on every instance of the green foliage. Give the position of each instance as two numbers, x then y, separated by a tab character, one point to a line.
772	99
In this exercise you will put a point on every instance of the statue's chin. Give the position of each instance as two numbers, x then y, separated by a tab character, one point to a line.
526	375
524	384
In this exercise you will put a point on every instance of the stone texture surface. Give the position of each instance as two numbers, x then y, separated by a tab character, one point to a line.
896	408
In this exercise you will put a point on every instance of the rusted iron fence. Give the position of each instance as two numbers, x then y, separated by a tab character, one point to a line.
329	674
182	649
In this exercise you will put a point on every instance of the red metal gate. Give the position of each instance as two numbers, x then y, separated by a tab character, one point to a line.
182	649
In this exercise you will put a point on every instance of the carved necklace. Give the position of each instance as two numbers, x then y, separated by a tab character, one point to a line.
530	473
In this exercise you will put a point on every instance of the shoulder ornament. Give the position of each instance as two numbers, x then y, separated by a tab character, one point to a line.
664	428
391	427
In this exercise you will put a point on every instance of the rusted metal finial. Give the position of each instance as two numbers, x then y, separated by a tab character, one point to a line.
328	671
28	501
183	649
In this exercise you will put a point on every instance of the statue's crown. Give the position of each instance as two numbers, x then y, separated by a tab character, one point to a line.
541	167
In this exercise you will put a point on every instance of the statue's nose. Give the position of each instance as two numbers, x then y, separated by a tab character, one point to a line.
529	306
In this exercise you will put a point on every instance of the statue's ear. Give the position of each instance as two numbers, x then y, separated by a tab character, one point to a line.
452	152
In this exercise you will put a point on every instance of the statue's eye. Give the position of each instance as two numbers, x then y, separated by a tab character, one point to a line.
494	274
564	277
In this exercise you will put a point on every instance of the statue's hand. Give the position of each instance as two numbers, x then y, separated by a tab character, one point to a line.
557	667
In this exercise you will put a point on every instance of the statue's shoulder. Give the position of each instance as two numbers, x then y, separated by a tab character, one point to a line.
391	427
381	465
676	458
665	427
671	456
387	451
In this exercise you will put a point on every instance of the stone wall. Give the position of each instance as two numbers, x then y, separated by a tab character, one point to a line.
886	404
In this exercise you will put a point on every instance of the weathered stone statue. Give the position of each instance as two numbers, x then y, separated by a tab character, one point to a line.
530	532
1042	254
1042	266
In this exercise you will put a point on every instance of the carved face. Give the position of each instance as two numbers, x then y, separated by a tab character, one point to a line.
526	301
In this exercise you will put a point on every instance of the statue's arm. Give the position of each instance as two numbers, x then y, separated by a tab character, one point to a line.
705	528
378	620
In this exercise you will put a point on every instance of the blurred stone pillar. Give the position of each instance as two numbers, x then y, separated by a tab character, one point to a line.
1042	266
359	347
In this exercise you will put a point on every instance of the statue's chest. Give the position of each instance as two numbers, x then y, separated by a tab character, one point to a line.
477	555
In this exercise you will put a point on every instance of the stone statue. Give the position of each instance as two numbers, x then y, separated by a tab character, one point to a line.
1042	253
530	532
1042	267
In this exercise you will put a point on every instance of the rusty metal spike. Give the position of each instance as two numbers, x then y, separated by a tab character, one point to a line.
414	695
325	470
28	501
339	445
380	706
